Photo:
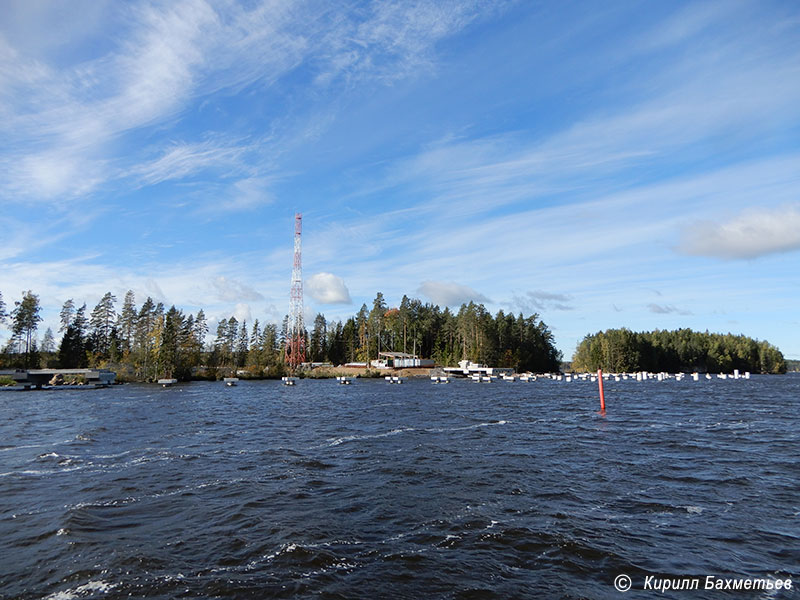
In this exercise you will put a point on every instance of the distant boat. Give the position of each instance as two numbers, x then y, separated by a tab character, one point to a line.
167	382
231	381
288	380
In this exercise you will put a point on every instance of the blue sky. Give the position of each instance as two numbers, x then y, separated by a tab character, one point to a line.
602	164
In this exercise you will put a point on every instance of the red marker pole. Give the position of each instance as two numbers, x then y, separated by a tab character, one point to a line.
602	395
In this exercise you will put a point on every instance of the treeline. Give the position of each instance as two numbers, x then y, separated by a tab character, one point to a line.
622	350
151	342
524	343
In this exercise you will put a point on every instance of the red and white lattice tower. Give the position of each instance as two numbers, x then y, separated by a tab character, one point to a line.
296	340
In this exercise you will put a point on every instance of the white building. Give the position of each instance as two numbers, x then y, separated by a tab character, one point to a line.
400	360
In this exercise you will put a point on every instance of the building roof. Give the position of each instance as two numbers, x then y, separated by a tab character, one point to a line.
397	355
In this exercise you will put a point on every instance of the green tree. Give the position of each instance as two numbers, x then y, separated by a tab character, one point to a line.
221	343
101	322
67	314
350	341
318	339
146	340
242	345
618	350
171	359
375	321
126	323
335	344
270	346
71	351
362	329
25	320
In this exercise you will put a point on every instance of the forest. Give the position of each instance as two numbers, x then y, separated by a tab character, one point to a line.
149	342
622	350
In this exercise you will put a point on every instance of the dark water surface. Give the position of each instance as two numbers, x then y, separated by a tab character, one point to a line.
502	490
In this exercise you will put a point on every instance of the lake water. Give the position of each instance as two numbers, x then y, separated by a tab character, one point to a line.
465	490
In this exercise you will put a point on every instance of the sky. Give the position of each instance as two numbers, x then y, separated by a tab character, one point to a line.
614	164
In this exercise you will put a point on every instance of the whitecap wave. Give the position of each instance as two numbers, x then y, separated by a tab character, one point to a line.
82	591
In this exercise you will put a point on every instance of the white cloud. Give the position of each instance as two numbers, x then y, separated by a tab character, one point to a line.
754	233
327	288
448	293
243	313
231	290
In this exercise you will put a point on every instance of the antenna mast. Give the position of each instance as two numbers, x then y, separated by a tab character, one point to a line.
296	341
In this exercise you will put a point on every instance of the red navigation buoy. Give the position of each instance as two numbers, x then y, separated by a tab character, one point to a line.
602	395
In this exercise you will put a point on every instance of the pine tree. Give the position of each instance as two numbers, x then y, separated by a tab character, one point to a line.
221	343
317	342
67	314
25	320
270	345
242	345
255	351
200	328
198	336
230	340
169	356
48	342
101	321
127	320
144	339
71	352
79	320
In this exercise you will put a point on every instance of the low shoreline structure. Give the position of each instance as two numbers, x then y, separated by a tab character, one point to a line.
48	378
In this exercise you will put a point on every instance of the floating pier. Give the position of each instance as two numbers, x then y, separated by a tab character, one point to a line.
38	378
